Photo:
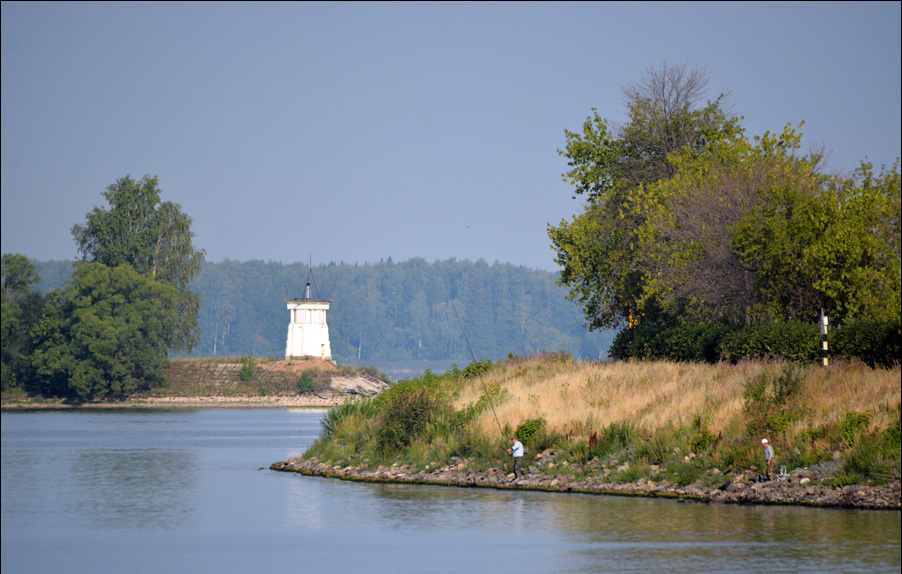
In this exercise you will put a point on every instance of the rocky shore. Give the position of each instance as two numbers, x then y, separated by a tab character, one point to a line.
795	489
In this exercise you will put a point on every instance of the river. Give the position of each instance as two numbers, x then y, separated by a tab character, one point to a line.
190	491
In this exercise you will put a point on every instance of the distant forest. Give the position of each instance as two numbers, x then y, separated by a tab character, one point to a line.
386	311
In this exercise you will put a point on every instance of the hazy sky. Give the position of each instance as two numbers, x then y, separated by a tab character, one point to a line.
354	132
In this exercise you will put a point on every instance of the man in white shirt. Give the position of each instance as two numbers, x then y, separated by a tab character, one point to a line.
516	450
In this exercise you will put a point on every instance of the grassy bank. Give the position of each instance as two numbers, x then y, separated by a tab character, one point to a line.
628	421
227	380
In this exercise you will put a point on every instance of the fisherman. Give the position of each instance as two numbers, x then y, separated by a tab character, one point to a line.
516	450
768	456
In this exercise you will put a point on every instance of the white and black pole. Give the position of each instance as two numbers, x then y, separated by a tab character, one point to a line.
824	333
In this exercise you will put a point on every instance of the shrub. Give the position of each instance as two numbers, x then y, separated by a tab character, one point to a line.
615	438
531	431
852	425
874	457
306	382
247	370
476	368
406	417
685	473
879	344
791	340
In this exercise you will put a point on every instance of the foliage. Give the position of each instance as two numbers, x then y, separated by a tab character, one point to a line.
793	340
337	416
405	418
393	311
614	438
530	430
769	401
852	425
599	249
687	220
154	238
476	368
247	369
306	382
834	247
413	424
106	334
22	308
877	343
685	472
873	456
675	341
17	277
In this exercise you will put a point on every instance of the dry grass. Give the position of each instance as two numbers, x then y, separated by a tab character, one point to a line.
584	397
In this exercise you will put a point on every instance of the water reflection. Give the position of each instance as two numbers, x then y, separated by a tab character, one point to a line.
615	534
303	507
144	489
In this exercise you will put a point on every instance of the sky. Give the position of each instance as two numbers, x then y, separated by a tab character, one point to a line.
354	132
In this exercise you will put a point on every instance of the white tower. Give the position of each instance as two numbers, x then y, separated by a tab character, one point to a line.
308	332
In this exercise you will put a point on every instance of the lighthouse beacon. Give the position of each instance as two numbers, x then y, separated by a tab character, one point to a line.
308	332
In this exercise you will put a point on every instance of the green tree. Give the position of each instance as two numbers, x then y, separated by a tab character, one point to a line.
154	238
21	310
836	249
106	334
17	277
597	250
685	244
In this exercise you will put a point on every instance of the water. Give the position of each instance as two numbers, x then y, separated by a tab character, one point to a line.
190	491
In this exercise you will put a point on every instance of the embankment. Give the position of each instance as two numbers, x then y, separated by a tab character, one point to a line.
792	490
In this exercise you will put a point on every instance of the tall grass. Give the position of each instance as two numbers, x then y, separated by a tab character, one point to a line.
685	417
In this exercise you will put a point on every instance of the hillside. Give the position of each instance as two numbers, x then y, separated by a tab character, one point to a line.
639	423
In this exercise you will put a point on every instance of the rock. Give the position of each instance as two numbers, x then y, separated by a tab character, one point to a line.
805	480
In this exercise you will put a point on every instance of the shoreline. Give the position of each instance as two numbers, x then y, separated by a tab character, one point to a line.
775	492
173	402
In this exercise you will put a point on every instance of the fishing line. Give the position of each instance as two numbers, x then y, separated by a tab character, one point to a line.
481	379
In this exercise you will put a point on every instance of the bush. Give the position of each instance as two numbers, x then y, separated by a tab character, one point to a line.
306	382
476	368
337	416
615	438
247	370
530	430
406	417
852	425
878	344
685	473
791	340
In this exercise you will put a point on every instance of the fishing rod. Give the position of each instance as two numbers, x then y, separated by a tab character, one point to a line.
473	356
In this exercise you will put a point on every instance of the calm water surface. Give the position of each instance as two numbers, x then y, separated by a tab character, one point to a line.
190	491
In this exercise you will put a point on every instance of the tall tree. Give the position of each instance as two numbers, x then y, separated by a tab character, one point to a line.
686	240
106	335
836	249
597	249
21	308
154	238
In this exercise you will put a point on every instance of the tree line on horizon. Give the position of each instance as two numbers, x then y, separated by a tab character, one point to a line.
387	311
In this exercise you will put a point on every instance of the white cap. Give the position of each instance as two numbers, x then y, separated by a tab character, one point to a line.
764	441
